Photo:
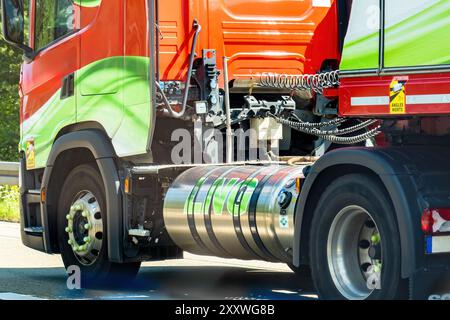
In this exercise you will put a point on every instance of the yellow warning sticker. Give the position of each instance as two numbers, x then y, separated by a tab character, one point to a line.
397	97
30	155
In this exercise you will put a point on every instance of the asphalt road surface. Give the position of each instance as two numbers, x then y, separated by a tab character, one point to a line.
28	274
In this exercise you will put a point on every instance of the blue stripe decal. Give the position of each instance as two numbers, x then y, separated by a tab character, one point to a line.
429	241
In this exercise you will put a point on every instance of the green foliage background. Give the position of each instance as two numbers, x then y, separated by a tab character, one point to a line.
10	61
9	203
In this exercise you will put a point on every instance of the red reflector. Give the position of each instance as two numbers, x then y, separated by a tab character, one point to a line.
427	221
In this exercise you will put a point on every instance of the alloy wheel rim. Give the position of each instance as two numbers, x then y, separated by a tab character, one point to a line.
85	227
354	253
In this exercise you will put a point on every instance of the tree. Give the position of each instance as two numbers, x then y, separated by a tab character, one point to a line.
10	60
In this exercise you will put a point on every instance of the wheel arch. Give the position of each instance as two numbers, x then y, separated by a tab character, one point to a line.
384	165
70	150
323	179
81	126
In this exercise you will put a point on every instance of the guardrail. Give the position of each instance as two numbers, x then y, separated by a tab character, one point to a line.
9	173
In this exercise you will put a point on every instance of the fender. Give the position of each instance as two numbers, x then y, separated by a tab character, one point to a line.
104	154
415	177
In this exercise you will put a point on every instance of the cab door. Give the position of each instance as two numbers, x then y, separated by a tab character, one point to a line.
114	75
48	90
100	78
134	134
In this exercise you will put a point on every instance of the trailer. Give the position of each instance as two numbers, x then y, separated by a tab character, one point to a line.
313	133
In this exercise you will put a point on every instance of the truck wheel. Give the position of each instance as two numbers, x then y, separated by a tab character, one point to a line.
82	229
301	271
303	274
355	244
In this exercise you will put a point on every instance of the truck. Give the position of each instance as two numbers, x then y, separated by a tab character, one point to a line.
309	132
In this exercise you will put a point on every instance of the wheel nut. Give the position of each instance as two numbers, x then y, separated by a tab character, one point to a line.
68	217
375	238
377	268
85	214
68	229
70	242
87	226
87	239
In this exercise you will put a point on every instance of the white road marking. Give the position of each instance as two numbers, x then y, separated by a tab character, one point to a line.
17	296
310	296
285	291
124	297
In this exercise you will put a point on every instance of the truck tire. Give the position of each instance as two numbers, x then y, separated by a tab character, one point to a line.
82	229
301	271
354	244
303	275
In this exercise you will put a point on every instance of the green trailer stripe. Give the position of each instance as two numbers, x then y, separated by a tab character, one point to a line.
420	39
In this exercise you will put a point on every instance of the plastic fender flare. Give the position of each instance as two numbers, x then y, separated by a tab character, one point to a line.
103	152
392	167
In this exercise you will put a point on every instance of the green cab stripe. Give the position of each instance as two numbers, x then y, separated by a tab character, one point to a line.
124	111
88	3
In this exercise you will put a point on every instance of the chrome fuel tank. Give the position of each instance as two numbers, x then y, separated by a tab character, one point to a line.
243	212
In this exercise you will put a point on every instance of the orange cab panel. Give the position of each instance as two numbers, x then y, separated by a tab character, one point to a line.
258	36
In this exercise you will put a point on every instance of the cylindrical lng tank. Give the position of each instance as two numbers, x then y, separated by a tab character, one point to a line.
243	212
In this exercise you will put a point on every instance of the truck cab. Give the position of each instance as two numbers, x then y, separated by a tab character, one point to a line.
275	130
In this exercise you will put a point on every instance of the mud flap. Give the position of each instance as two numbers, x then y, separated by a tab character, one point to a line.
431	284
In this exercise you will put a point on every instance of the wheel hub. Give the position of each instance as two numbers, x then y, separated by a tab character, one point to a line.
375	252
85	227
354	253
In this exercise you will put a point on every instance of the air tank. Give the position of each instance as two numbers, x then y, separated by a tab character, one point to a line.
242	212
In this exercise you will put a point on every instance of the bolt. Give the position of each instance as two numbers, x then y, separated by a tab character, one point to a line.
75	207
87	239
85	214
88	226
69	217
376	238
377	268
68	229
70	242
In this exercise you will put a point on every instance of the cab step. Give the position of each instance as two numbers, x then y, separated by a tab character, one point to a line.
36	231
